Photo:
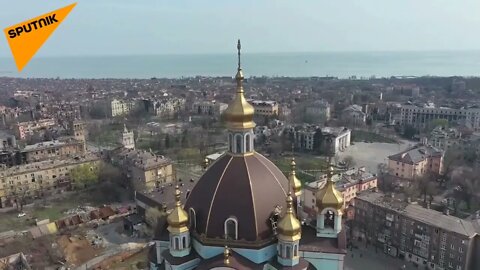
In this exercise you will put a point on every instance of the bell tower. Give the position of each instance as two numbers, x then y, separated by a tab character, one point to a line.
127	138
178	228
329	209
77	130
239	117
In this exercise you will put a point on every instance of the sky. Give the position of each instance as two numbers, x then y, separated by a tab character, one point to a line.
125	27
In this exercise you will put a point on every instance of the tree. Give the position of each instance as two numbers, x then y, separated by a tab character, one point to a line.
20	199
409	132
385	178
468	186
426	186
84	175
349	162
167	141
318	141
152	216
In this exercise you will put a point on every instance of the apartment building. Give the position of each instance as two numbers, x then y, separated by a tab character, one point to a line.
333	139
166	107
319	111
348	183
121	107
264	107
145	170
7	141
421	117
39	178
415	162
209	107
67	147
23	130
426	237
444	138
354	115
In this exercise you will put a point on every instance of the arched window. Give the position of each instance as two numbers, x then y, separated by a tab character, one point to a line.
184	242
295	250
288	252
176	244
230	142
231	228
193	219
247	143
238	143
329	220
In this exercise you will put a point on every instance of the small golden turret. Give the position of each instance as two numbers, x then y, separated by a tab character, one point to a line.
226	255
206	162
239	114
178	218
294	181
289	227
329	196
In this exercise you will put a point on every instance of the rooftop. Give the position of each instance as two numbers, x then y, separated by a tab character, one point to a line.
416	154
421	214
47	164
143	159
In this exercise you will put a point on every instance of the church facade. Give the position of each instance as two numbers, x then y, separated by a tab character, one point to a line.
241	214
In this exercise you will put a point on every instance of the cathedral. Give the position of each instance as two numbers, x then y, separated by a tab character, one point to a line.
241	214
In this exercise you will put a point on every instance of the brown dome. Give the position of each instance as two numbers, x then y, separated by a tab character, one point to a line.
245	187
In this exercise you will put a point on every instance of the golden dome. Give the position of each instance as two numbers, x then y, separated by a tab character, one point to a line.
239	114
292	178
329	196
289	227
178	218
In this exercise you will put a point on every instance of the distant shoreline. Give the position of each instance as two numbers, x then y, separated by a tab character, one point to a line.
342	65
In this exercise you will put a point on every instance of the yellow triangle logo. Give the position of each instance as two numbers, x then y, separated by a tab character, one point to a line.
27	37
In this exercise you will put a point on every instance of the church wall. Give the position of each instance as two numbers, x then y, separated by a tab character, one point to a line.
255	255
260	255
205	251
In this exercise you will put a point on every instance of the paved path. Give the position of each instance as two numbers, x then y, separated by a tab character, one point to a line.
371	260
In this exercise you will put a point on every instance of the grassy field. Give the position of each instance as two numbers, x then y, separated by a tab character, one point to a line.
366	136
306	163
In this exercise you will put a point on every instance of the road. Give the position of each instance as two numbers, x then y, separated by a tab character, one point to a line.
372	260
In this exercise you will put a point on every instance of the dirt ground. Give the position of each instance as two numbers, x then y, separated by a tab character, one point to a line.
77	249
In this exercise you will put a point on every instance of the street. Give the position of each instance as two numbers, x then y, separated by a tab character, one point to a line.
362	258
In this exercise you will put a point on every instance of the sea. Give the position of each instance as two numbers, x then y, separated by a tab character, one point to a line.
336	64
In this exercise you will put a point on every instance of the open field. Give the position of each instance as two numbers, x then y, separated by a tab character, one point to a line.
372	154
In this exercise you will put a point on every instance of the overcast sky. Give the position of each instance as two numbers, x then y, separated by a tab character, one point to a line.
106	27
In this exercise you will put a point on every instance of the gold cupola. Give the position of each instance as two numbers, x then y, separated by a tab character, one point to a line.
289	227
292	178
239	114
178	218
329	196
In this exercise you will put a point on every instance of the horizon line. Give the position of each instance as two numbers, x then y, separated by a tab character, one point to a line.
254	53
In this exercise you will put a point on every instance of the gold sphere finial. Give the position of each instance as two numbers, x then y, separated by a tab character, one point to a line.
289	202
178	193
330	173
226	255
205	163
293	164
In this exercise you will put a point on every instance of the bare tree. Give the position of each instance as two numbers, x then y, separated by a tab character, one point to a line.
467	186
349	162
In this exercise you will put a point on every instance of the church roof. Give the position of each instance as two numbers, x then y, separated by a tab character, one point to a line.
248	188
